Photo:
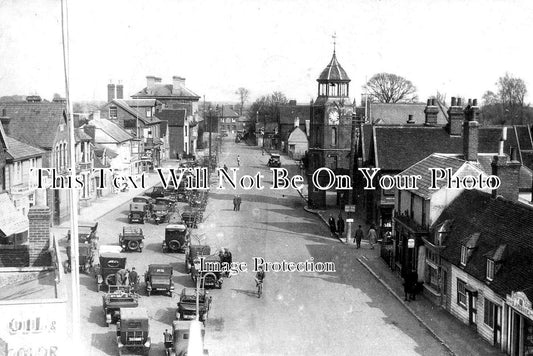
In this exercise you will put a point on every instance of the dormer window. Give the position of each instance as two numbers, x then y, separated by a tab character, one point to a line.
112	112
464	255
490	269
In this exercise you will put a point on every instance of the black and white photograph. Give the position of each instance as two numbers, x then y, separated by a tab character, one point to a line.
266	177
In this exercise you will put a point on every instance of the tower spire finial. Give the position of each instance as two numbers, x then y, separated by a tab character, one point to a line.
334	41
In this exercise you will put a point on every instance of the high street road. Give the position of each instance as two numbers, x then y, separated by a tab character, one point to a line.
345	312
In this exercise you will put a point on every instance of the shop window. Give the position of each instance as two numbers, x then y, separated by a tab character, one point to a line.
489	311
461	293
490	269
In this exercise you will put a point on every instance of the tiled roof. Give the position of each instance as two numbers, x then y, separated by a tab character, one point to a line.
228	112
20	150
166	90
526	175
80	135
524	137
499	222
34	123
174	118
141	102
287	113
333	71
137	111
109	132
398	147
397	114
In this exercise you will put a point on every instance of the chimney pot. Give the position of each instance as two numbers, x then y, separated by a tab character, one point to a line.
410	119
454	101
110	92
459	102
433	102
514	156
475	102
469	102
429	102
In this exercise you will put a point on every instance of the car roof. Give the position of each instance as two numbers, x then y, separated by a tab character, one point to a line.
133	313
159	266
275	155
109	249
176	226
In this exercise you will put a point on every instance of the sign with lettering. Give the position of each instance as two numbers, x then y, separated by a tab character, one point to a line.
349	208
520	302
28	328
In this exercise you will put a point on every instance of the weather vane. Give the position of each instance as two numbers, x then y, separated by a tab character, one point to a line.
334	40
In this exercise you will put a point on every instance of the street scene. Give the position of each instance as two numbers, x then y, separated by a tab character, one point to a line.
191	178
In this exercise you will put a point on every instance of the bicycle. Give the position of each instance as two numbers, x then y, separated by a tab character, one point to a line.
259	288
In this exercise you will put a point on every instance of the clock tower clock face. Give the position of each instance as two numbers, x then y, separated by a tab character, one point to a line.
333	117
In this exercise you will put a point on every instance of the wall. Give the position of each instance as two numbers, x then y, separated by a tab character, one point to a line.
175	141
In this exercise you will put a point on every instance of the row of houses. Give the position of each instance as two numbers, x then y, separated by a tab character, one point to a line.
125	137
470	245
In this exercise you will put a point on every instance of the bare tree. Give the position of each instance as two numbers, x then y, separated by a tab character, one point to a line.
243	94
391	88
507	105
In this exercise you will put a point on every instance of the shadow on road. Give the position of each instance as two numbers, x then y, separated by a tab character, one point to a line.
250	293
102	342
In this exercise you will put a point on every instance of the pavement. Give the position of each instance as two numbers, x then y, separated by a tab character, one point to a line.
456	337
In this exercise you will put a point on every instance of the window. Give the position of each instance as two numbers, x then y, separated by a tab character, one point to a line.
112	112
461	293
489	311
334	136
148	112
463	255
490	269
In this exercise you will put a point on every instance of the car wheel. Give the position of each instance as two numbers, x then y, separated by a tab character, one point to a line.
174	245
133	245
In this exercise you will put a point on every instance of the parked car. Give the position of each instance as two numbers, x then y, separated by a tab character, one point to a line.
114	301
132	332
168	202
156	192
187	304
193	252
208	278
181	336
147	201
159	278
131	239
192	216
274	160
177	238
85	258
137	213
111	261
160	213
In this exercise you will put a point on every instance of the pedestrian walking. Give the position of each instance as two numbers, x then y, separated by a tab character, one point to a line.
235	203
409	285
134	279
340	225
372	236
239	201
358	236
332	226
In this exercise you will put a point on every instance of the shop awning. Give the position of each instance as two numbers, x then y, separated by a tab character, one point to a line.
11	220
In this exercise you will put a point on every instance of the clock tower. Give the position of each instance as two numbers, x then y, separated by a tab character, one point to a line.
330	131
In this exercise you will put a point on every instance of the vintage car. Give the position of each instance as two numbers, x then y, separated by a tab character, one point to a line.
114	301
131	239
137	213
147	201
132	332
187	304
158	278
174	218
157	192
86	233
111	262
183	333
160	213
85	258
192	216
212	274
274	160
168	202
177	238
193	252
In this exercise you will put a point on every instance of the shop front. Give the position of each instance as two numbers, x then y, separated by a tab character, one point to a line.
519	320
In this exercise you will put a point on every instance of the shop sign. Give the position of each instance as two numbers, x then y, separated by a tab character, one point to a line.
33	329
349	208
520	302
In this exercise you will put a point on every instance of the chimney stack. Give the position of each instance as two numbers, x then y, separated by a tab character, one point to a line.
410	119
177	84
150	83
39	236
431	112
456	117
120	91
508	170
110	92
471	131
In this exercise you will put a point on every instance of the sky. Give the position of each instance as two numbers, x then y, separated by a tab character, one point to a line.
459	48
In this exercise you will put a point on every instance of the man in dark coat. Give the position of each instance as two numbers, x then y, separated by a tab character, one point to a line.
239	200
332	225
235	203
359	236
340	225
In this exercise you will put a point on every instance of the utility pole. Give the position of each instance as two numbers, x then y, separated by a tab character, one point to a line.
210	121
353	136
